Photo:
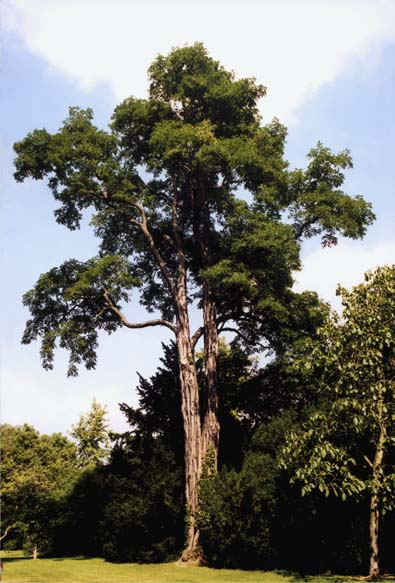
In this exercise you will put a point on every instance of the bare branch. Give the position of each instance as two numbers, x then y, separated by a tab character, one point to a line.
221	323
143	225
237	332
127	324
141	209
99	315
7	530
196	337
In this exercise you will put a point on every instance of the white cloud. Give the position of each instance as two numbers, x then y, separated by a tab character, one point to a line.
47	403
292	46
345	264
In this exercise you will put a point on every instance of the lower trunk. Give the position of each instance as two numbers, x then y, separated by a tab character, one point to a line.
211	427
374	570
35	553
192	434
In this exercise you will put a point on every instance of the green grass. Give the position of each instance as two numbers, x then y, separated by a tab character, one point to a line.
18	569
82	570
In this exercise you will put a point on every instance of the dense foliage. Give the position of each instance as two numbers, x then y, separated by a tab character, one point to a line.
347	444
251	515
38	473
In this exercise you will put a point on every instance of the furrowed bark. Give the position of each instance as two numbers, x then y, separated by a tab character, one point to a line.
211	427
192	433
189	394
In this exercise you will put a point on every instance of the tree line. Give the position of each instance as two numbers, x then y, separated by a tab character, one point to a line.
291	492
195	208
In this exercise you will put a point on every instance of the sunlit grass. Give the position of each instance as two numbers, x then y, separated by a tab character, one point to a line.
19	569
81	570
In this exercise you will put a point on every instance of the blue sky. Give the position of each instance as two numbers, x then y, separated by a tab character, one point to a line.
335	85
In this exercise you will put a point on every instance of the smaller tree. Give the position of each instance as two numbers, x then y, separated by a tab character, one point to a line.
346	445
38	473
91	434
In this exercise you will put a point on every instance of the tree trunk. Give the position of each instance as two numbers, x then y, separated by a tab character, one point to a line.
35	553
197	440
211	427
189	386
374	568
192	431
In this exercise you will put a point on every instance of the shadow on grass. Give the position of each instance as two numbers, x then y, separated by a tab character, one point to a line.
327	578
296	577
6	560
301	577
77	558
15	559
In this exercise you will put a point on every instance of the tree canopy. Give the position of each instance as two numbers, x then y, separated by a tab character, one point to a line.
197	136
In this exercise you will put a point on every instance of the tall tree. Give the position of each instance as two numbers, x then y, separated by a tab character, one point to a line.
346	445
166	187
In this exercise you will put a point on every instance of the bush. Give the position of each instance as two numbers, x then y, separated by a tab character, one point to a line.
237	509
143	517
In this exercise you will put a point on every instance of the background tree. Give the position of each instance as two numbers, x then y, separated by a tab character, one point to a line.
38	473
91	434
165	188
347	445
133	508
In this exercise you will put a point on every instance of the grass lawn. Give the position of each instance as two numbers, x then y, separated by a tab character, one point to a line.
18	569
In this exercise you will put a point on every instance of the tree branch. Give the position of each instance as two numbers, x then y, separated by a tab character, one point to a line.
237	332
167	238
300	229
181	298
196	337
141	210
143	225
174	222
7	530
127	324
221	322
